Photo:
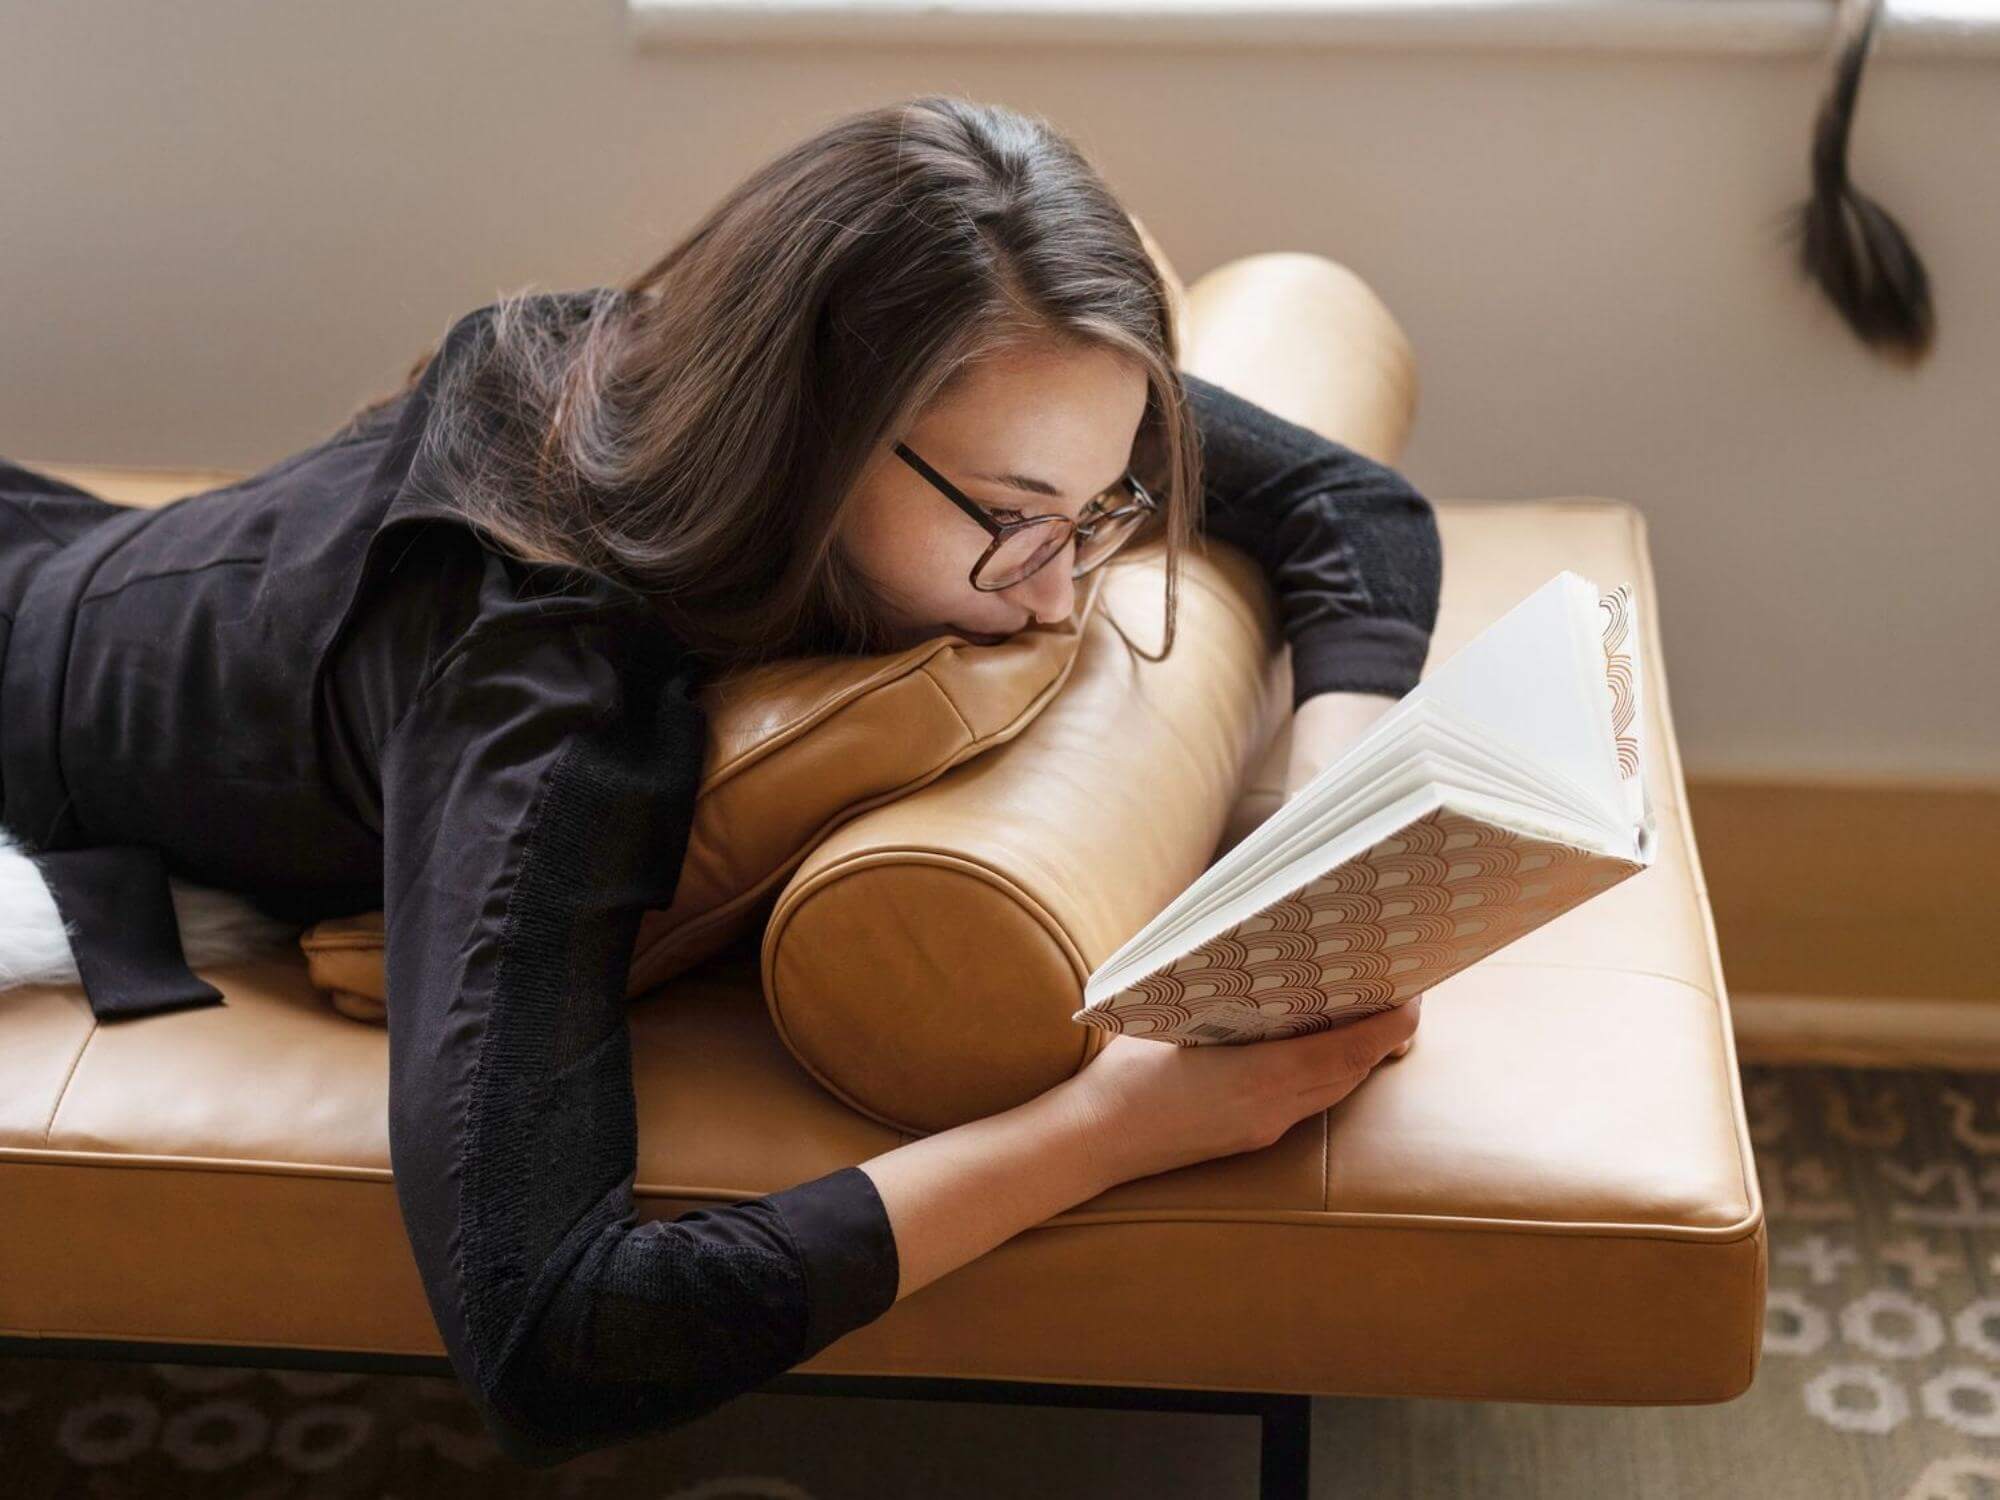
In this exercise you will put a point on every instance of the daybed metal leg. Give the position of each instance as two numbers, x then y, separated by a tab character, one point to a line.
1285	1473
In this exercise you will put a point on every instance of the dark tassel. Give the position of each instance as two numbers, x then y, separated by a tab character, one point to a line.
1847	242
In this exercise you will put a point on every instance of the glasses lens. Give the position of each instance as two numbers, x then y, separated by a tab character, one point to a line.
1112	518
1022	552
1106	537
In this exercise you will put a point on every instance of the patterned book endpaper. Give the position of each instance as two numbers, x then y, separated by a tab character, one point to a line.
1405	914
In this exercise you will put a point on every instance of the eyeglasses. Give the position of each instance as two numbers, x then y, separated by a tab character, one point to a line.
1023	545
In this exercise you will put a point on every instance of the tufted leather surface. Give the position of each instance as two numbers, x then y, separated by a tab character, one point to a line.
1552	1197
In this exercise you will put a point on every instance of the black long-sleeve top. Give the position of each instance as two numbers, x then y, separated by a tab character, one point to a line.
504	758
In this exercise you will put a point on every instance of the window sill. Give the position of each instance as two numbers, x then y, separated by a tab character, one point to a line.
1909	28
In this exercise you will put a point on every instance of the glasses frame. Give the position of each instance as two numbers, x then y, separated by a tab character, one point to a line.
999	531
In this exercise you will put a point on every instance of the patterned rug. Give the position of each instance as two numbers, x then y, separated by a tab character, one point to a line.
1880	1378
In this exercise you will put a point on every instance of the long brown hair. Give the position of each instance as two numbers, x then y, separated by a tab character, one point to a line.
693	432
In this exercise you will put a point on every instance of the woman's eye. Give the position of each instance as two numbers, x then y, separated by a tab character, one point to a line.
1001	512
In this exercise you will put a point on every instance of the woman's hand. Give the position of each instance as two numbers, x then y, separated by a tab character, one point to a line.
1323	727
1147	1106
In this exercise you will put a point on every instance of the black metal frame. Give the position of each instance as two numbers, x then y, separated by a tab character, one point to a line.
1286	1420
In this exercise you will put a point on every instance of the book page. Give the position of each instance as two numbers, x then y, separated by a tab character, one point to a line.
1535	678
1355	785
1440	750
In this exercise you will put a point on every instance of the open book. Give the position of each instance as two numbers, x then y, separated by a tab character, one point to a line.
1504	789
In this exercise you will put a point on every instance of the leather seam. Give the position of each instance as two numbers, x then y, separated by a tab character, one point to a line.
971	735
890	673
1325	1160
1664	742
1531	963
62	1094
1744	1229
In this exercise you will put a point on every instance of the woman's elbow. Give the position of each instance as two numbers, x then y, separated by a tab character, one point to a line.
540	1416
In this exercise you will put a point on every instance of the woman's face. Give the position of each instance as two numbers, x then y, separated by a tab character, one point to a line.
1066	417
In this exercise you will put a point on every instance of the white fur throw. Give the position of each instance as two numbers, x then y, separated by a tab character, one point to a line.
216	925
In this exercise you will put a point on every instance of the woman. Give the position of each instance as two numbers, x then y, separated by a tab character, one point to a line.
445	663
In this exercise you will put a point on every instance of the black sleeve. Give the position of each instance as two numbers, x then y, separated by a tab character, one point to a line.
537	799
1350	546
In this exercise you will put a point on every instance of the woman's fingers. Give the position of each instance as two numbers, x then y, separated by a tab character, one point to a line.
1358	1045
1415	1007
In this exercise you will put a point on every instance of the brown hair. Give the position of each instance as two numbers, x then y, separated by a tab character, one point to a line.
693	433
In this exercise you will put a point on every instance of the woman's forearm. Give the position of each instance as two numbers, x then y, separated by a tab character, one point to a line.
956	1194
1323	726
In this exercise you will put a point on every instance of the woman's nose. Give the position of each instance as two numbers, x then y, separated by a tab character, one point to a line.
1049	593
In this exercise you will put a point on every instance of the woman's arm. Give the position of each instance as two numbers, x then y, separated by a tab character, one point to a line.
537	800
1323	727
1350	547
957	1194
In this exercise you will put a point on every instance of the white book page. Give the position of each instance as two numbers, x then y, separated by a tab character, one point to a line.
1359	772
1432	722
1440	748
1535	679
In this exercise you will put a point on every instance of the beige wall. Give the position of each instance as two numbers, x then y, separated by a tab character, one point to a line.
226	223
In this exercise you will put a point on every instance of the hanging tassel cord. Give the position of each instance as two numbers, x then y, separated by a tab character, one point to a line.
1848	244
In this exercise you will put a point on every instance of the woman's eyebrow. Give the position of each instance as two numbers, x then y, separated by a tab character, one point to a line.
1029	483
1026	482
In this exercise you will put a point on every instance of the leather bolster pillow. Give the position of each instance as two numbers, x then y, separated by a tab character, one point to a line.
795	748
923	961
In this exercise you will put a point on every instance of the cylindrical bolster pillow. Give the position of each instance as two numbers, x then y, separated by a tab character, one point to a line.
923	961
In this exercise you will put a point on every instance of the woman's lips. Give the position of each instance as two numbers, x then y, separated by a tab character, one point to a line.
983	637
